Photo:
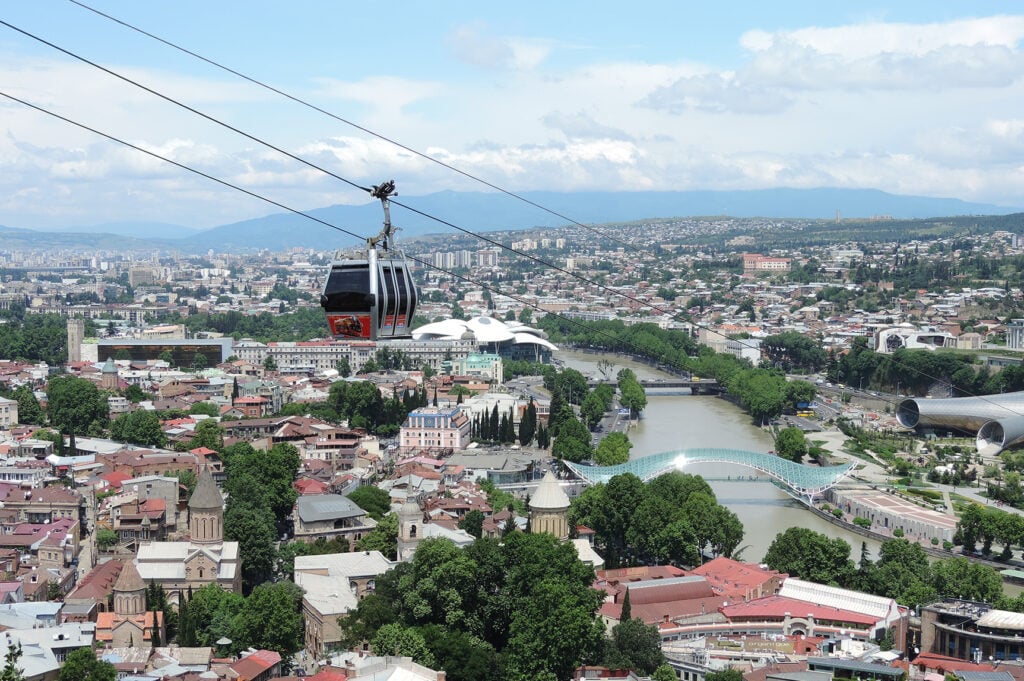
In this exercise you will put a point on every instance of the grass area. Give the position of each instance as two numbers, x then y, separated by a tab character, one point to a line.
932	495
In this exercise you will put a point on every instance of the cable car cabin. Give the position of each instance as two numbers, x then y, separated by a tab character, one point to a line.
371	299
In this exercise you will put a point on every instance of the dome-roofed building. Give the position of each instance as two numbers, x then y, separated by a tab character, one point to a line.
130	625
510	340
549	508
204	558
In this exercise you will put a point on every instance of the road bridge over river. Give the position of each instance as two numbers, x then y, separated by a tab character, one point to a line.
698	386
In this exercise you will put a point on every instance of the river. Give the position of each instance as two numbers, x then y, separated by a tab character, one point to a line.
694	421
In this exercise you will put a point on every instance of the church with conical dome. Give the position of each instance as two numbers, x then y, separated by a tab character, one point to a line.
130	625
204	558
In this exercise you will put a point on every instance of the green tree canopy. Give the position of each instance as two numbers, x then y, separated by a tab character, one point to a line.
375	501
75	405
139	427
271	619
82	665
613	450
791	444
810	555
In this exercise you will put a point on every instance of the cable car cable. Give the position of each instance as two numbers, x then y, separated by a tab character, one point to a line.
425	263
312	165
340	119
296	211
358	186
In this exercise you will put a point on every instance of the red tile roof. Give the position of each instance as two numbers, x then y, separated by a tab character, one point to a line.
251	666
776	607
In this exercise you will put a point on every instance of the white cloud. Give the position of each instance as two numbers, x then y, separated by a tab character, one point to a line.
971	54
581	125
475	44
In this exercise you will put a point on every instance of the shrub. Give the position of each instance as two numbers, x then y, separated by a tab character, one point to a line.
862	522
897	533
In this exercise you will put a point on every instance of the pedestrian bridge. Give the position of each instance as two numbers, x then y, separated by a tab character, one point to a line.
802	481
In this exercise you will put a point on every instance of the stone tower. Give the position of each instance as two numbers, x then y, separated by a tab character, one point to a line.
549	508
108	375
206	511
410	528
76	334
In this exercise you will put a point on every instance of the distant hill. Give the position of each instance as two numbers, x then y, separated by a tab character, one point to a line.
488	212
13	238
138	230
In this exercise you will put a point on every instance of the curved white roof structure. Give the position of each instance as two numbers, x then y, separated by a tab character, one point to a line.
484	330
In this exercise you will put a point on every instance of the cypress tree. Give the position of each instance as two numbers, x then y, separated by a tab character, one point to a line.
627	609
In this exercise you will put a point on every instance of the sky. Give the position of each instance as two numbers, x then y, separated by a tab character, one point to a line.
921	98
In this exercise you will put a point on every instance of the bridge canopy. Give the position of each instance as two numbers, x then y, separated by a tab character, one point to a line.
801	480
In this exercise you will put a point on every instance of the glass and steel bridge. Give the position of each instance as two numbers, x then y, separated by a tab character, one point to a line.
802	481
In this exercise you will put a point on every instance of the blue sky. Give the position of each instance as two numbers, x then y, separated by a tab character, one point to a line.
915	98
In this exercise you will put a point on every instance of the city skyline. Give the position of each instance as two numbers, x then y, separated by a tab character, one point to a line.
916	99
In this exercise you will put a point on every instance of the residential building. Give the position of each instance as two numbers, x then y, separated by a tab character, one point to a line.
435	429
330	516
8	413
334	584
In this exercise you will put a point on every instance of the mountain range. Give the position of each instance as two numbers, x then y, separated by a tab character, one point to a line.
489	212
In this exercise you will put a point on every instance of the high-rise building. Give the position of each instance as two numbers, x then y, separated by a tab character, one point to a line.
76	334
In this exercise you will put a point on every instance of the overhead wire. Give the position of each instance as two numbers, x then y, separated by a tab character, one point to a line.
258	140
353	124
303	161
296	211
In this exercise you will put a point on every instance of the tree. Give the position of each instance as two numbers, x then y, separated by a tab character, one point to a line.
810	555
966	579
166	356
394	639
209	434
253	528
209	615
383	538
724	675
343	367
528	424
12	670
105	538
139	427
902	572
269	363
75	405
473	522
82	665
665	673
791	444
199	362
637	645
29	410
375	501
134	394
271	619
613	450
